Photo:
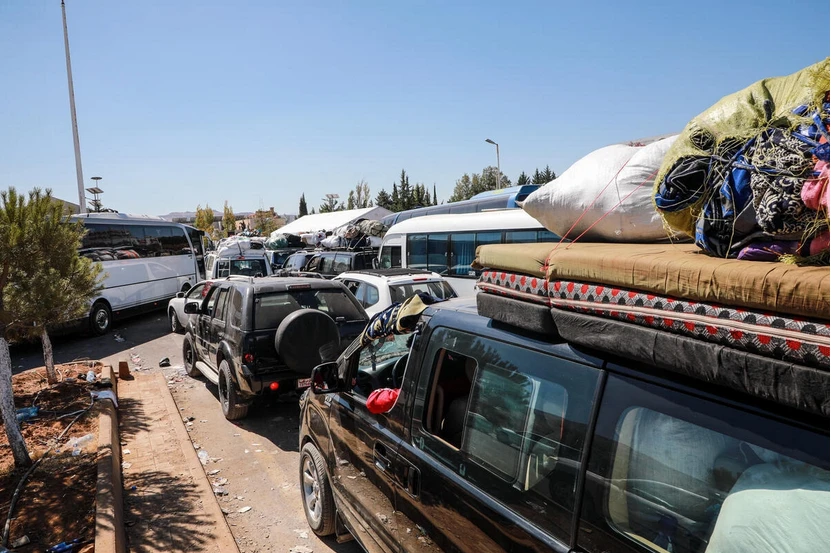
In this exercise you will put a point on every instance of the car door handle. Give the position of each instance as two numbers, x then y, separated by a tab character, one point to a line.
379	454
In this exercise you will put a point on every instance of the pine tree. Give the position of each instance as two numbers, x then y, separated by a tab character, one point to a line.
405	193
303	209
13	237
383	199
435	196
61	284
523	179
396	199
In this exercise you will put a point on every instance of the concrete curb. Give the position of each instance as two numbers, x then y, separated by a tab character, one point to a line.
224	539
109	505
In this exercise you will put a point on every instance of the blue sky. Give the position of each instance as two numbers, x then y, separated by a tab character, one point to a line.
194	102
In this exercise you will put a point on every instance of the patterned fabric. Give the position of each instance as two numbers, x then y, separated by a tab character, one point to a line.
398	318
517	286
786	338
783	163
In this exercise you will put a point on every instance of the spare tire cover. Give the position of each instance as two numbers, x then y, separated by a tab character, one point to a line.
302	335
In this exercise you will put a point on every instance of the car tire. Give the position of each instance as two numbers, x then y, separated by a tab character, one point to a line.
228	399
175	326
316	492
190	357
100	318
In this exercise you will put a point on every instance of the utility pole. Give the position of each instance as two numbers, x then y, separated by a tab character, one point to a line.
79	173
498	170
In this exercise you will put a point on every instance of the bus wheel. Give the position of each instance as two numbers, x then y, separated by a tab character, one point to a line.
100	318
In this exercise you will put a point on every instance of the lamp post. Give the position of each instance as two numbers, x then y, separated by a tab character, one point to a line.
498	170
79	173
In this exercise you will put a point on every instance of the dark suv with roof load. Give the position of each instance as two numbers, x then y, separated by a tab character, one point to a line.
508	434
265	335
331	263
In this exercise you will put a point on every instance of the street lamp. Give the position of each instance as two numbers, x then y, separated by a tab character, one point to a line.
498	170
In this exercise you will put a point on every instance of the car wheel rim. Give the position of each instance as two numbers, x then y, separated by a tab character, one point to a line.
188	356
102	320
223	393
311	490
174	324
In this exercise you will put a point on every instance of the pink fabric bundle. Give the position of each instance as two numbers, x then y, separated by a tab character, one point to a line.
815	191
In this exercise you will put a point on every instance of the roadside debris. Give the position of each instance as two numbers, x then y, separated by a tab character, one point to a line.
244	510
125	465
118	338
203	457
20	542
164	362
26	413
213	472
219	490
301	549
77	443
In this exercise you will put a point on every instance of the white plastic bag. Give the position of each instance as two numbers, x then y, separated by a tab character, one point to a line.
628	171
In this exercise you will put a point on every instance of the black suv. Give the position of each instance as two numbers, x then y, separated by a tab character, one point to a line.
505	438
265	335
331	263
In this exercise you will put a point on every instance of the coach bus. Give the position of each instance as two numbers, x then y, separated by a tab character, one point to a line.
145	261
504	198
446	244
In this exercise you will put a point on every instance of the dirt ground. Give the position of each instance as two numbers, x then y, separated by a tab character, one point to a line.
57	503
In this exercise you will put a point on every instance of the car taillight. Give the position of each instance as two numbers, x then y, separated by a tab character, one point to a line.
273	386
248	358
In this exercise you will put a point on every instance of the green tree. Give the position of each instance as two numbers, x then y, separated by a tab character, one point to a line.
303	209
361	195
383	199
13	237
462	190
544	176
330	204
435	196
523	179
395	199
229	222
405	193
60	284
204	219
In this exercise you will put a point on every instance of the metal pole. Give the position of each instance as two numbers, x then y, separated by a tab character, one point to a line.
498	170
79	173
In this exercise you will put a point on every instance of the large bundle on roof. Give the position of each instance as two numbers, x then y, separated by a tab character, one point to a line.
748	178
605	196
238	245
278	240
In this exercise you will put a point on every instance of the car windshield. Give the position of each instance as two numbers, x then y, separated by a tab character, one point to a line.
393	346
270	309
441	290
245	267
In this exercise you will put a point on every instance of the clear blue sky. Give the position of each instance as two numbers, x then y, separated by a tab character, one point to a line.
189	102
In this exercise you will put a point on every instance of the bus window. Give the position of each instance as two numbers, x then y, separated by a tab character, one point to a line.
520	236
437	253
462	251
547	236
390	257
417	251
483	238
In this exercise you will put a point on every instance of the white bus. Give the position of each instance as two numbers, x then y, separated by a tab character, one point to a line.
145	262
446	244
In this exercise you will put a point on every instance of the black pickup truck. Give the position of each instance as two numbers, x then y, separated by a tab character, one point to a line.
254	336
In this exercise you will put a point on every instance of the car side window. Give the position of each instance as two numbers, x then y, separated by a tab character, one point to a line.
354	286
195	293
673	472
223	268
370	295
213	294
221	302
341	263
235	306
509	420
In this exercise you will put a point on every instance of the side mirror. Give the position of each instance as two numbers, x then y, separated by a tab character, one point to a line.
325	378
180	294
375	263
192	308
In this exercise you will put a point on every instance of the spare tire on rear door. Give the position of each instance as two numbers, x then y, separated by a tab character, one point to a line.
307	338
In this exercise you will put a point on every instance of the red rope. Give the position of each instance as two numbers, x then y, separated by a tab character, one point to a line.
590	206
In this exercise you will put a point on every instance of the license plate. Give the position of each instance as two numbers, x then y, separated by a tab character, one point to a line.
304	382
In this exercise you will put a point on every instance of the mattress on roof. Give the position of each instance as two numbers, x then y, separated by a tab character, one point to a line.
676	271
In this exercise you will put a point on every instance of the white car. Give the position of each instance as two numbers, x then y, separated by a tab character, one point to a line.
176	307
377	289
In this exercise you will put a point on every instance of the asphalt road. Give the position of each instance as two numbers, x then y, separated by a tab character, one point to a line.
259	455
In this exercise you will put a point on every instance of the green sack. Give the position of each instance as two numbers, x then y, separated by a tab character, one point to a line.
738	118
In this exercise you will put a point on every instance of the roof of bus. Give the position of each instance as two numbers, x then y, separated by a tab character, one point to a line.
484	220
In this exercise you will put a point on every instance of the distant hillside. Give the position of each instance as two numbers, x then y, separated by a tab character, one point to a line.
189	215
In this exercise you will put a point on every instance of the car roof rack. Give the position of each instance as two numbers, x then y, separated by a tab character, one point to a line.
394	272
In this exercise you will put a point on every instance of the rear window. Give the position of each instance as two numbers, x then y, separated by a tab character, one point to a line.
441	290
245	267
271	309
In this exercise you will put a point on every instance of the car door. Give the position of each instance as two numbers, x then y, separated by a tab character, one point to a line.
365	455
497	437
203	324
195	294
217	324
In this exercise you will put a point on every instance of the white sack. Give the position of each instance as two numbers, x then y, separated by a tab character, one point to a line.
558	204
